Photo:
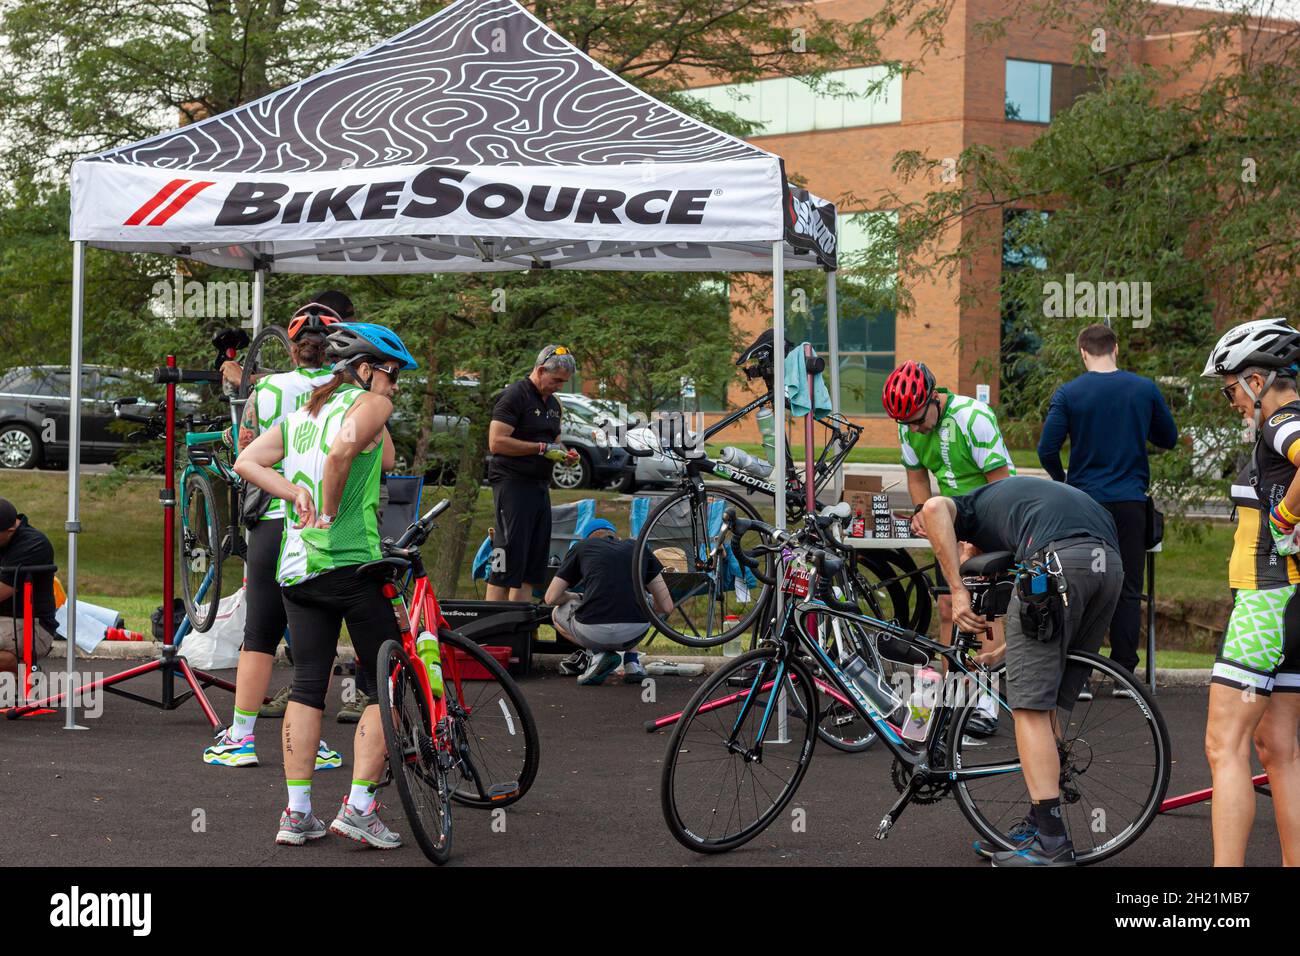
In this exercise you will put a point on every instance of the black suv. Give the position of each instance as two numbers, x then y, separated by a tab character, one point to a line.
34	407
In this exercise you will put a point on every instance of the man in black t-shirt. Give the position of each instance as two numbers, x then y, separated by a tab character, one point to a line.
522	439
22	546
1031	517
605	618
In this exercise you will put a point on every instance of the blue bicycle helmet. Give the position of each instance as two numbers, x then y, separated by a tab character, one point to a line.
366	340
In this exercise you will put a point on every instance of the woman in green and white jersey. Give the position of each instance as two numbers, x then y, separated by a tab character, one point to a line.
273	398
331	453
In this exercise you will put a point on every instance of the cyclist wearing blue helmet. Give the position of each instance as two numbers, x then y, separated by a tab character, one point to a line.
331	453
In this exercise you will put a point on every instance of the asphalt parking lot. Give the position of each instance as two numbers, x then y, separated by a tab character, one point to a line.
132	790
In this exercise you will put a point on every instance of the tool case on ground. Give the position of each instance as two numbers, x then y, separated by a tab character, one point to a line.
499	624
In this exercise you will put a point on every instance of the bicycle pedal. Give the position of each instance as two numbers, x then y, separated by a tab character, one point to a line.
502	791
882	831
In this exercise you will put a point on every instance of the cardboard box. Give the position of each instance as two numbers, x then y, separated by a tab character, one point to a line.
858	491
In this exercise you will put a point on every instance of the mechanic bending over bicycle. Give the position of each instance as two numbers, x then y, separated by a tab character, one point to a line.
1255	684
334	447
956	439
273	398
1066	605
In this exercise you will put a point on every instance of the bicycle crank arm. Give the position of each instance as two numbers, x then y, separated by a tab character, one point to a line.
896	811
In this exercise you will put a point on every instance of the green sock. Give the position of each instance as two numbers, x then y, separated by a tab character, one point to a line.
299	795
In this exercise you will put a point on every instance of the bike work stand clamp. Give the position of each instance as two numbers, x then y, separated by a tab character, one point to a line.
170	661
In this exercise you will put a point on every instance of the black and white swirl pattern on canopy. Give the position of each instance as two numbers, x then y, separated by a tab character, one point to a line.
482	83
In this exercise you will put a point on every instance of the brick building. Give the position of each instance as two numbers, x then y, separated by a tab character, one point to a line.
1002	94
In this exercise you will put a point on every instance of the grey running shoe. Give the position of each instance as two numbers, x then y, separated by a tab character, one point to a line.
275	707
365	828
297	828
351	713
601	666
1123	692
1034	853
1086	693
633	672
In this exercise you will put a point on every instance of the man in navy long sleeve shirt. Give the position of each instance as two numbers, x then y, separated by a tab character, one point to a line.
1109	415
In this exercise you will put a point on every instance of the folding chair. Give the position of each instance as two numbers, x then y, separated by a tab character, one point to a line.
26	648
403	505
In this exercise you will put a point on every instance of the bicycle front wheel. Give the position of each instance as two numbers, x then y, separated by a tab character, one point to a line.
493	734
737	755
414	757
714	598
201	552
1114	752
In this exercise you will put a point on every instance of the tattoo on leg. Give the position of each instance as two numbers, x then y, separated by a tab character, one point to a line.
288	738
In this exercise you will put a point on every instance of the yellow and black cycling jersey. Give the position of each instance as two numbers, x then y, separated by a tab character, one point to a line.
1255	562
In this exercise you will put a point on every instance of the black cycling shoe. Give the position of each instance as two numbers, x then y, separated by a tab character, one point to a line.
982	726
1021	835
575	663
1035	854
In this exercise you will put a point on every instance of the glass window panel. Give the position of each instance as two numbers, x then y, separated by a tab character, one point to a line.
1028	94
801	105
828	110
784	105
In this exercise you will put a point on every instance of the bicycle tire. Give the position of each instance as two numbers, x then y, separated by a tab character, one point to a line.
471	763
913	590
717	605
413	757
200	551
1081	817
271	338
797	752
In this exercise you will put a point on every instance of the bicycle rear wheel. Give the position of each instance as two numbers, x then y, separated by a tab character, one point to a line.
685	534
417	764
268	353
718	789
493	734
201	552
1114	753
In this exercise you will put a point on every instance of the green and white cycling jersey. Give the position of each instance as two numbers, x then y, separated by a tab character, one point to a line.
276	396
963	447
353	537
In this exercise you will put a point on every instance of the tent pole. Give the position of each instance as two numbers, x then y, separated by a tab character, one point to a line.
73	527
778	376
259	298
833	340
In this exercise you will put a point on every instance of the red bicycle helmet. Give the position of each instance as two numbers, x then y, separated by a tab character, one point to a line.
907	391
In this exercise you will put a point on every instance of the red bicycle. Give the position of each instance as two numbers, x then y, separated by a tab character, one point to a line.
476	744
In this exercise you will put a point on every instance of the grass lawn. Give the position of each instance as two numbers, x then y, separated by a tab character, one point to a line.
121	567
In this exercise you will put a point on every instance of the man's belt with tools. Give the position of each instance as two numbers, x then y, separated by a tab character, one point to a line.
1042	589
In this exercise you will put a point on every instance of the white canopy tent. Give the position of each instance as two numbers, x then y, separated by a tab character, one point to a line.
476	141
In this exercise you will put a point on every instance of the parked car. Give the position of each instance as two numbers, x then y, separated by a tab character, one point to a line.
35	403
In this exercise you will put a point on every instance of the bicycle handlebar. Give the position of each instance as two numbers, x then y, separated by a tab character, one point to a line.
421	527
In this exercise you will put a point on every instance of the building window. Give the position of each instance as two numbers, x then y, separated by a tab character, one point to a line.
785	105
866	327
1038	91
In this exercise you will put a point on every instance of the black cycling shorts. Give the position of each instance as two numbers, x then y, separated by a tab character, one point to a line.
522	539
317	609
264	617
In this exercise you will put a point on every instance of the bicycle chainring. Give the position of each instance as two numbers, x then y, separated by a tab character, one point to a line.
932	792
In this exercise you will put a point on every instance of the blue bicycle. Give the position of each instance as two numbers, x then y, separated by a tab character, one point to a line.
744	742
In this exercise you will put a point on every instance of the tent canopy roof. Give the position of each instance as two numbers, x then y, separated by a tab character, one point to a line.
476	140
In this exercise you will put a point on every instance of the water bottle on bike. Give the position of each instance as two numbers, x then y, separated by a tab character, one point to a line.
875	690
426	645
923	704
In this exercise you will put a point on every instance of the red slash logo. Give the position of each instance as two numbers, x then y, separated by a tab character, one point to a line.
183	191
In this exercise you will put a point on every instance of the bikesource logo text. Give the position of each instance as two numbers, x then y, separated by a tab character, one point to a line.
432	194
76	909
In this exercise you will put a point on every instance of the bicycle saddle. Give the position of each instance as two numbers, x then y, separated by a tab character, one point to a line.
988	565
385	569
761	350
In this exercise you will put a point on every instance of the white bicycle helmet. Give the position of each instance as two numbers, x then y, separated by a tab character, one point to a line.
1264	343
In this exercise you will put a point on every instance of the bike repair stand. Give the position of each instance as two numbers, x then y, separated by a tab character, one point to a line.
171	661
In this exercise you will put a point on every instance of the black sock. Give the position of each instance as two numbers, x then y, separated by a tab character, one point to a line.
1032	815
1047	813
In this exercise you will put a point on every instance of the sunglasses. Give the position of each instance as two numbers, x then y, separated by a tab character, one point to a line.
919	418
389	370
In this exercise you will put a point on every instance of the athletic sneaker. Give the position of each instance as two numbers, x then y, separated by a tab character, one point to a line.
297	828
1034	854
327	759
601	666
981	726
574	664
365	828
1020	836
351	713
1086	693
277	704
633	672
229	752
1123	692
